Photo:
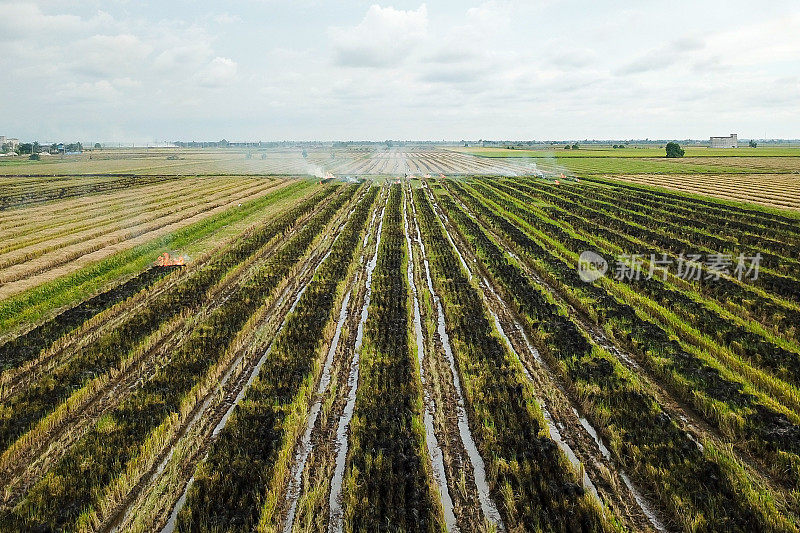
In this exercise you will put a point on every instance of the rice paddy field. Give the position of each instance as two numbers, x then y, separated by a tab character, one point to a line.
400	339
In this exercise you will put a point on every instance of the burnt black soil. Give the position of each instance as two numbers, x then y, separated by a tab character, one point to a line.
25	347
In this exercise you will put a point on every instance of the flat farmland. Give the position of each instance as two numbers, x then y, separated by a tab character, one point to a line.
783	164
87	230
647	159
374	161
629	151
56	251
419	350
381	161
772	190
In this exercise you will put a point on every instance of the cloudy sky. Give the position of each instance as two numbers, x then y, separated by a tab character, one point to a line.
122	70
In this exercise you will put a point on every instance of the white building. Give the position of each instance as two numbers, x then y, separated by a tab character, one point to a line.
732	141
12	143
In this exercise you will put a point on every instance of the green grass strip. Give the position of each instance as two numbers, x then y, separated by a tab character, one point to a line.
31	305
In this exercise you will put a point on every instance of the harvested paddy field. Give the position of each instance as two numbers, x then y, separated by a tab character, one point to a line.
417	350
771	190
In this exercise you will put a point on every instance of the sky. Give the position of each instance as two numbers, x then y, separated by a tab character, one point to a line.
128	71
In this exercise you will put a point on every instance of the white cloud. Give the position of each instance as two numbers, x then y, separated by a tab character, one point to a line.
664	56
102	90
182	56
227	18
760	43
383	38
102	56
219	72
310	69
25	19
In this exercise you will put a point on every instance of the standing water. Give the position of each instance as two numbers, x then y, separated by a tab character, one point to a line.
449	238
488	507
335	517
555	434
643	504
434	451
173	518
304	450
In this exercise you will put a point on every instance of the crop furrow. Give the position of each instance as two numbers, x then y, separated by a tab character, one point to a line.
38	302
756	237
739	298
529	476
152	500
713	327
99	394
445	403
581	443
11	201
725	398
435	452
387	478
32	260
197	290
67	496
710	208
785	289
252	454
311	505
642	436
28	345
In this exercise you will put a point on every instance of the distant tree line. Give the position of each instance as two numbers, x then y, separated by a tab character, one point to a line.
203	144
36	148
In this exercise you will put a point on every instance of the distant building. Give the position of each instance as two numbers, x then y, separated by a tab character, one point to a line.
10	142
731	141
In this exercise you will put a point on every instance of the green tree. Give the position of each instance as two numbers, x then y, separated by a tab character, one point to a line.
566	147
97	145
575	146
753	144
674	150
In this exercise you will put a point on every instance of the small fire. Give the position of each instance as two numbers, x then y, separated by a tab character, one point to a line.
165	260
326	178
558	182
442	176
